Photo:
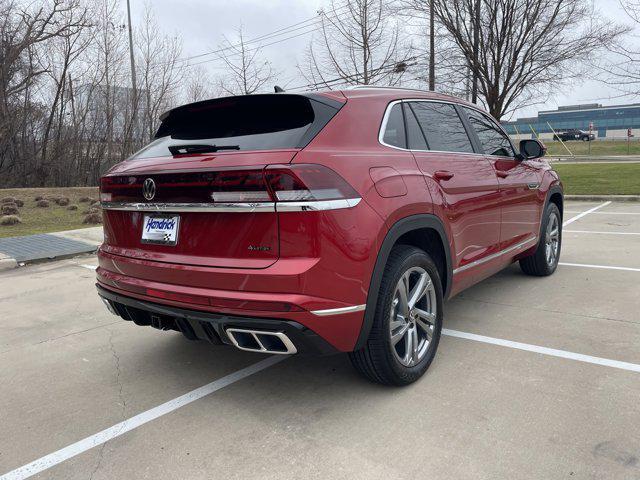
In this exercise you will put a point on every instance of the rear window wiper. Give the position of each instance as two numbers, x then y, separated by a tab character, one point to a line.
199	148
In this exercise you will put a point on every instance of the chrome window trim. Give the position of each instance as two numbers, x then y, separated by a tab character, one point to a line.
495	255
315	205
338	311
385	119
383	127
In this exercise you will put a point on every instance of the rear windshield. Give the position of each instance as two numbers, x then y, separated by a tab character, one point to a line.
253	122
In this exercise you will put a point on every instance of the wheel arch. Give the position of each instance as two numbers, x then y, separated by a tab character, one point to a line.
425	231
555	195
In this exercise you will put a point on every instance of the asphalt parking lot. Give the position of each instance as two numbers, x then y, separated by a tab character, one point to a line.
536	378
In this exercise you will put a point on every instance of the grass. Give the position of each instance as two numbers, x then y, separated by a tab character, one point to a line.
52	219
600	178
599	148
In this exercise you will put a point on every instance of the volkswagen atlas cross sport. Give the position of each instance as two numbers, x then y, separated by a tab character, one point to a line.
335	221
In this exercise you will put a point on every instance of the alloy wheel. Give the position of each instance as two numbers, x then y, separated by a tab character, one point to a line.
412	316
552	239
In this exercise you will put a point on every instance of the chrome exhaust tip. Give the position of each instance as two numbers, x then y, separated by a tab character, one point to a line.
261	341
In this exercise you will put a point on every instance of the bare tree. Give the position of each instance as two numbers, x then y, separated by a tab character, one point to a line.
198	85
524	47
66	109
359	43
622	68
60	55
434	55
159	72
23	29
248	71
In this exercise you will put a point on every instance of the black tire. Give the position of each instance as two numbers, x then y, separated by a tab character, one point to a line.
538	263
376	360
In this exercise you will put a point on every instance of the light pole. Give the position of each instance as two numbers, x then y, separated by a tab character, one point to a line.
476	43
133	70
432	47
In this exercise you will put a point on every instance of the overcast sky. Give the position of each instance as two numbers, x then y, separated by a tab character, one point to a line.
202	23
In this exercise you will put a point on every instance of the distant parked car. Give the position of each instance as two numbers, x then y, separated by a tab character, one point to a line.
574	134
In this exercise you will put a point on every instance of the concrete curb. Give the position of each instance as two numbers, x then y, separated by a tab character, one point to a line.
7	263
604	198
594	159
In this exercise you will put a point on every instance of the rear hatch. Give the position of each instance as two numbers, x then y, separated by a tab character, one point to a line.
201	193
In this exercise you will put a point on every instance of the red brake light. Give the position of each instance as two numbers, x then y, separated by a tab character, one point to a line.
304	182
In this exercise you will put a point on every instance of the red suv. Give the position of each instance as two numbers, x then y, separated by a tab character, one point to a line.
323	222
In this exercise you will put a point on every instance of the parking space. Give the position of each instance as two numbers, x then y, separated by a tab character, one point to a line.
616	219
70	370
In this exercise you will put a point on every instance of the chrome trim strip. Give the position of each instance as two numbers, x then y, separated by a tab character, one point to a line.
338	311
316	205
190	207
495	255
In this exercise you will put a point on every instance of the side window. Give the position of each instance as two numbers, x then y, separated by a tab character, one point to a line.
492	138
394	128
442	127
415	137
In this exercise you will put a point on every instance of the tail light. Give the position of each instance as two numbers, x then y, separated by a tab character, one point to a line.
280	183
306	183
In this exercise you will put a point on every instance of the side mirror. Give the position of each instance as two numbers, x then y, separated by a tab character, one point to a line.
530	149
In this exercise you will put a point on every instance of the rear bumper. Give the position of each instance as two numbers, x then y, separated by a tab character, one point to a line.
300	290
211	327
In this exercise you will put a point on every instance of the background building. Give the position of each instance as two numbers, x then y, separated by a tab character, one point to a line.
609	122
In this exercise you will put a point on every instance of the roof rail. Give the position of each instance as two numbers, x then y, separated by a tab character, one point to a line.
359	87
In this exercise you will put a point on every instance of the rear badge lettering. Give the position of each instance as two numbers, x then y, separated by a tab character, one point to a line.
258	248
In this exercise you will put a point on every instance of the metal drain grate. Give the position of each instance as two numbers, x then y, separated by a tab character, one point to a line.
36	247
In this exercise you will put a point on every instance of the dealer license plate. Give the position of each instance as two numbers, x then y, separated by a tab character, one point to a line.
161	229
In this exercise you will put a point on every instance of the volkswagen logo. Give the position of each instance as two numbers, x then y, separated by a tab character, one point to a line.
149	189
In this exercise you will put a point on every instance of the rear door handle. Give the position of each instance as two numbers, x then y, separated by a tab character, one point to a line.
502	173
442	175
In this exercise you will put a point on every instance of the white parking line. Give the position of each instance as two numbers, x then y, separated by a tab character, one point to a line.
121	428
632	367
601	233
605	213
90	267
605	267
580	215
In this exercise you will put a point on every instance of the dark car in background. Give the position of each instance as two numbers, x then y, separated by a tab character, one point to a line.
574	134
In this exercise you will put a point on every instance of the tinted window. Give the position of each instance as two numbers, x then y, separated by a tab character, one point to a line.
394	129
442	127
253	122
415	137
492	138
